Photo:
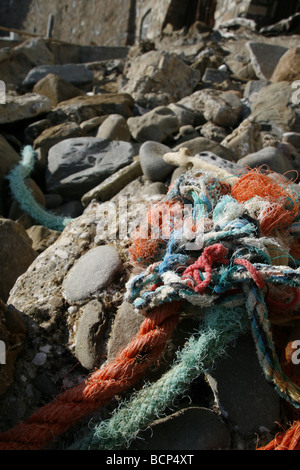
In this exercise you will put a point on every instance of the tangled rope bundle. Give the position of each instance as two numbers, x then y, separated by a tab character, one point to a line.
223	257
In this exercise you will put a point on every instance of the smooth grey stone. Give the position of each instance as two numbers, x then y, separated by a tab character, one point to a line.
278	159
153	165
77	165
89	347
214	76
193	428
91	273
242	393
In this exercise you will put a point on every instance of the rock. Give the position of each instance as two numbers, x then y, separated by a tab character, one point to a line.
16	255
156	125
273	105
126	325
185	133
113	184
245	139
83	108
292	138
92	125
56	89
264	58
53	135
9	158
42	237
192	428
214	76
201	144
20	107
155	189
35	129
91	273
253	87
212	132
89	342
278	159
17	61
12	333
237	381
184	115
114	127
152	163
222	108
77	165
288	67
71	209
78	74
159	78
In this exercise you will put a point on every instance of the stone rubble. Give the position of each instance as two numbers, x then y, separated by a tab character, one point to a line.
100	129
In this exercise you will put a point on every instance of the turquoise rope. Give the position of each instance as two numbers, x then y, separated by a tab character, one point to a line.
23	194
220	328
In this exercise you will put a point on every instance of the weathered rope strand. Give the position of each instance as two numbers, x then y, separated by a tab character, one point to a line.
114	378
221	327
23	195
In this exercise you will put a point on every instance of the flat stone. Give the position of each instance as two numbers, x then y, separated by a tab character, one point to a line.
125	326
83	108
113	184
245	139
265	57
72	73
153	165
91	273
20	107
214	76
242	393
89	343
77	165
193	428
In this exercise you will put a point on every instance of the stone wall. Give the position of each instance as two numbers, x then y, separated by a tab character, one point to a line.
122	22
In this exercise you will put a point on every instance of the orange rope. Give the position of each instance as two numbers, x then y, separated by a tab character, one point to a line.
289	440
113	378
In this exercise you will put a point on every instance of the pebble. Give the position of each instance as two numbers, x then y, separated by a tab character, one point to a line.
91	273
151	158
39	359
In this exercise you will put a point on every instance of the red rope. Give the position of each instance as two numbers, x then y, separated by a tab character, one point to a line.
204	263
113	378
289	440
257	278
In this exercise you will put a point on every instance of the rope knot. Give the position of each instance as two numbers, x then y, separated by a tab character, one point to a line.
211	254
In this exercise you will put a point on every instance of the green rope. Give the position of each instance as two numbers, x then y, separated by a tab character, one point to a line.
23	194
220	328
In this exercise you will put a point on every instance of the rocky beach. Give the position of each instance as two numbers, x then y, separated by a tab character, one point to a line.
100	123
